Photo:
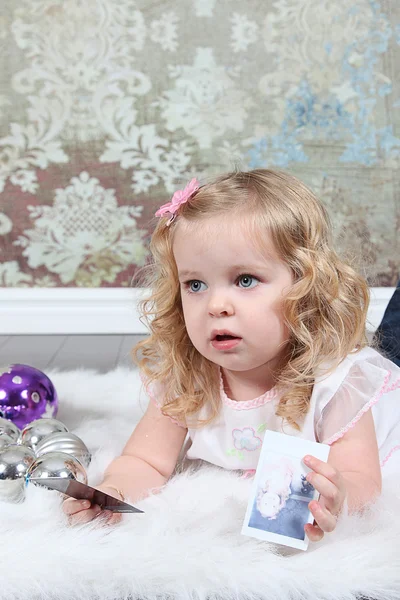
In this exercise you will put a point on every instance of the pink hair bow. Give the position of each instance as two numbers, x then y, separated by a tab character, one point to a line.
180	197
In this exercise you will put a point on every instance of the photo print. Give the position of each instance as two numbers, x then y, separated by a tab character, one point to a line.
278	506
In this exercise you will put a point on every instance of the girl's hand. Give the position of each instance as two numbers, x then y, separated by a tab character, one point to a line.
82	511
330	484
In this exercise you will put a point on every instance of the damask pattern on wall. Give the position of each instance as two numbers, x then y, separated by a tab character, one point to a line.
108	106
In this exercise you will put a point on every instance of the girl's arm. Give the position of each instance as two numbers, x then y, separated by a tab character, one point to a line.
351	474
146	463
356	457
149	457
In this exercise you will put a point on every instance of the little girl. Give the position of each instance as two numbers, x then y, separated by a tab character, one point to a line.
255	323
275	488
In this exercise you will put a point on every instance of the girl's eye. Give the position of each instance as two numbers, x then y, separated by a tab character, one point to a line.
194	286
247	281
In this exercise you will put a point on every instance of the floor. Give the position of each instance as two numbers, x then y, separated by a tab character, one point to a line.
67	352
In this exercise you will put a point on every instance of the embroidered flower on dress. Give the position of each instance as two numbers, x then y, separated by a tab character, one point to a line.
246	439
180	197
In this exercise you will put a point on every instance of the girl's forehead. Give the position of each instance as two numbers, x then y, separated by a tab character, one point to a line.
208	224
227	231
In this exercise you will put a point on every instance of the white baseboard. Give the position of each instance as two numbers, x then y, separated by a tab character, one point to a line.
69	311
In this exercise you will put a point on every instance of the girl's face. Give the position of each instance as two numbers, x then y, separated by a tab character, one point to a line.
268	504
228	286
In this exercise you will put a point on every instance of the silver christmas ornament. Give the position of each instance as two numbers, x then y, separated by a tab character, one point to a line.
65	442
8	428
56	464
15	462
5	440
38	430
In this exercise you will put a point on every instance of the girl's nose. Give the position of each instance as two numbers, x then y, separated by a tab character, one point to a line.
220	306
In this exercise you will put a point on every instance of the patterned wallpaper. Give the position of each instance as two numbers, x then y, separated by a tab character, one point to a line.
107	106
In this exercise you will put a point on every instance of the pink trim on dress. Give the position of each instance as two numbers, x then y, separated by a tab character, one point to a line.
248	474
247	404
383	390
389	455
394	386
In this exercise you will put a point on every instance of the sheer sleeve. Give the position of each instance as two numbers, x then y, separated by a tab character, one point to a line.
364	384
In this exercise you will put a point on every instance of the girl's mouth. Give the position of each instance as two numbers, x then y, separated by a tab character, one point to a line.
225	342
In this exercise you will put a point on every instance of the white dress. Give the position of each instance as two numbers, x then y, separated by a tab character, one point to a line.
363	381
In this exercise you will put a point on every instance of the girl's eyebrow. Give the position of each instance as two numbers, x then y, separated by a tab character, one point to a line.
233	268
187	273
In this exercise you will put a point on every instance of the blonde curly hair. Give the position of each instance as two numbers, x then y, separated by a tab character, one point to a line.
325	309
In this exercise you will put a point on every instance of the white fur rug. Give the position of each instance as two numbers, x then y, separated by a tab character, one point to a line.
188	544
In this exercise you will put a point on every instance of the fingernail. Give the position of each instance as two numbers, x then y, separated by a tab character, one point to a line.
85	503
307	459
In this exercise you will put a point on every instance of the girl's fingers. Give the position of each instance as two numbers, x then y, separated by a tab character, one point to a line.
85	516
314	533
332	495
71	506
110	518
325	469
323	518
328	481
81	511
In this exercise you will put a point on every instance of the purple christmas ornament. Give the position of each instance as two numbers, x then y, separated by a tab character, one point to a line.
26	394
